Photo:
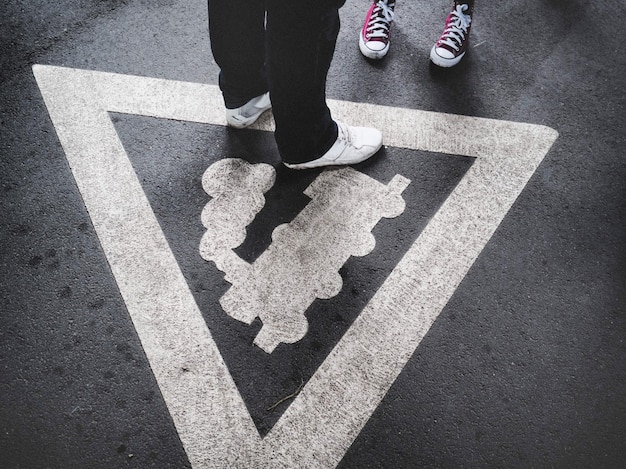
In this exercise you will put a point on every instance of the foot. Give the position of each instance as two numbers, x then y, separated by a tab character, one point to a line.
353	145
247	114
374	37
452	45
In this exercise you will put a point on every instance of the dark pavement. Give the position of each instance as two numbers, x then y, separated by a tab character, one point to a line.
525	365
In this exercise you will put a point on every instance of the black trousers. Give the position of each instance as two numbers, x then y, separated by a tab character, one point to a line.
285	47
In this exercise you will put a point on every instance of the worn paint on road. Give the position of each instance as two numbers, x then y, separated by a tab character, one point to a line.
332	408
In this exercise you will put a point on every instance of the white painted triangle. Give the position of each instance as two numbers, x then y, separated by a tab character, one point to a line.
206	407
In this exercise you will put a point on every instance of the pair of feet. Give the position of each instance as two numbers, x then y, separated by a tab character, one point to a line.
449	49
353	144
356	144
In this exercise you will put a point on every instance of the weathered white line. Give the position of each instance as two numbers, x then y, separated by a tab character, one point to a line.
209	414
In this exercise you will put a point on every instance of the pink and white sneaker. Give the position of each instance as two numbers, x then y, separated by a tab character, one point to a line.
374	37
452	45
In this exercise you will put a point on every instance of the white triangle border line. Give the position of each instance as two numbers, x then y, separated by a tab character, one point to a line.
209	414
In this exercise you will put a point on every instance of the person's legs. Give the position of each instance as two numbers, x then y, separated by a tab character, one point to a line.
295	44
301	37
237	32
450	48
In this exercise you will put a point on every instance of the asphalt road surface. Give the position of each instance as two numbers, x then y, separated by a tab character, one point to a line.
173	297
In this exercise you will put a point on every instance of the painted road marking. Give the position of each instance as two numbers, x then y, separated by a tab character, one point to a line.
206	407
302	263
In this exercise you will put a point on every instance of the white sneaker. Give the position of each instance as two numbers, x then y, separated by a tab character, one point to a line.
247	114
353	145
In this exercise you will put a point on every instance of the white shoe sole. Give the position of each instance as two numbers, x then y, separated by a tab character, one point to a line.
319	163
443	62
372	54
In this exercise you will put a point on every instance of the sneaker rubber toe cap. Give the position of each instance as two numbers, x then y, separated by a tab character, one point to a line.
443	57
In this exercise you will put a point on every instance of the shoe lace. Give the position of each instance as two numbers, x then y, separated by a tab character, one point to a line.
456	29
344	133
380	20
